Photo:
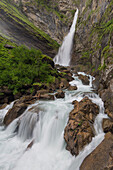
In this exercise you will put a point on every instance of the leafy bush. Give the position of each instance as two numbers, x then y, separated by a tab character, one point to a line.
22	67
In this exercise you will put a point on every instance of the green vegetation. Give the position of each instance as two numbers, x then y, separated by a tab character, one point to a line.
21	67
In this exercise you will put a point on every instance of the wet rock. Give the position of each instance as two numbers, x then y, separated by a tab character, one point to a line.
102	157
60	94
72	88
79	130
64	84
84	79
15	112
18	109
46	97
30	144
107	125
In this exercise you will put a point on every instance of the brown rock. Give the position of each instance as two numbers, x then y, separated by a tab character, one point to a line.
64	84
60	94
68	77
84	79
42	92
46	97
30	144
102	157
72	88
57	82
18	108
15	112
107	125
79	130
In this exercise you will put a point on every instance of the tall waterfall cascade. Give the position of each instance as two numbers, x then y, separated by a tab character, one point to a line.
64	54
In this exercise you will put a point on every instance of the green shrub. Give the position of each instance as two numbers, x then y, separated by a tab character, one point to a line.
21	67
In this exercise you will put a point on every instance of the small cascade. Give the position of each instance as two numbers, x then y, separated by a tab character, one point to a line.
44	123
64	54
26	125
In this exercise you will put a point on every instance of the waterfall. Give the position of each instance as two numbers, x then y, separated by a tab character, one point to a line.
64	54
46	128
43	123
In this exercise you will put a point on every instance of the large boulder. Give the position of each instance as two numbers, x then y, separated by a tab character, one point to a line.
102	157
79	130
18	108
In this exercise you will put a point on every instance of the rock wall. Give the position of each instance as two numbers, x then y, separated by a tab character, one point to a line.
53	17
93	39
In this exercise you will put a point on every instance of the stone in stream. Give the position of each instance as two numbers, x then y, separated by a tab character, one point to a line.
84	79
60	94
72	88
102	157
79	130
18	108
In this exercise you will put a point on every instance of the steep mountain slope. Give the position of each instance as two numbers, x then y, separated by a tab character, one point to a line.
15	26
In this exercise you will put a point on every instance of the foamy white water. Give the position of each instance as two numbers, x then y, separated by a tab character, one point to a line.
64	54
46	129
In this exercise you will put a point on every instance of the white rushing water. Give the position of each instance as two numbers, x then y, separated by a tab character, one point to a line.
44	124
64	54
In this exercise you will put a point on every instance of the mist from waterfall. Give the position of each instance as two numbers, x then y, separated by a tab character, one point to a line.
64	54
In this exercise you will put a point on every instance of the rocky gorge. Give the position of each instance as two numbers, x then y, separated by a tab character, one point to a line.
92	53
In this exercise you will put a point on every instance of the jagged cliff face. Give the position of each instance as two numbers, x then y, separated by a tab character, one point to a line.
94	34
53	17
93	47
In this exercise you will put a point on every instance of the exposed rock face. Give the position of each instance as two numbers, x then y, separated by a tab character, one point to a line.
106	91
92	41
102	157
53	17
79	130
19	29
